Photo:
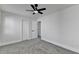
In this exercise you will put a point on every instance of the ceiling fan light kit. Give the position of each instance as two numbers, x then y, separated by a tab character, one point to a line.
35	11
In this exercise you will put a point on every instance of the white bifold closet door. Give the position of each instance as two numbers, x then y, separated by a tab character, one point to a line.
25	29
34	29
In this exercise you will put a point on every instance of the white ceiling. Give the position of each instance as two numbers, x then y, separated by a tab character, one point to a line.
20	8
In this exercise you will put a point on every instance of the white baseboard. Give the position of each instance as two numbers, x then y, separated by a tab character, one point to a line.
63	46
7	43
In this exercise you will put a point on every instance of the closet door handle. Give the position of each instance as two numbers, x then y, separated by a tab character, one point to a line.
33	30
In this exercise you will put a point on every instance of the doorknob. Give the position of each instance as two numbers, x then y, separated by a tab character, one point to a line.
33	30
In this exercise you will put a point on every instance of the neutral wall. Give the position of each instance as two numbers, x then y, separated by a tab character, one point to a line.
11	28
62	28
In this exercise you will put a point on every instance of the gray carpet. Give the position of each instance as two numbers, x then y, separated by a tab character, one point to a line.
34	46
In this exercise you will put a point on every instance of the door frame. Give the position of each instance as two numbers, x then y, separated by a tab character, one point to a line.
39	29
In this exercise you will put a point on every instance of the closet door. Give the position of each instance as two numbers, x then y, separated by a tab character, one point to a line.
25	29
34	29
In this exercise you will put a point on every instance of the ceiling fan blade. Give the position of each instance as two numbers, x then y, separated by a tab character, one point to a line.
30	10
32	6
40	12
41	9
36	5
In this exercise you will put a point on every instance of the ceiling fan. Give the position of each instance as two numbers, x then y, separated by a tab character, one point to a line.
35	9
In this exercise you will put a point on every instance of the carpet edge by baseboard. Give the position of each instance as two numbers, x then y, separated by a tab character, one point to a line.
63	46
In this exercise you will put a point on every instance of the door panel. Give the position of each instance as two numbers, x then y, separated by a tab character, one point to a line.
25	30
34	29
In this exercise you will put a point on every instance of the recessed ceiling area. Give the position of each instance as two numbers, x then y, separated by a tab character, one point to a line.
21	8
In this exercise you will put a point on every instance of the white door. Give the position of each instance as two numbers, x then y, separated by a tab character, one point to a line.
34	29
25	29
